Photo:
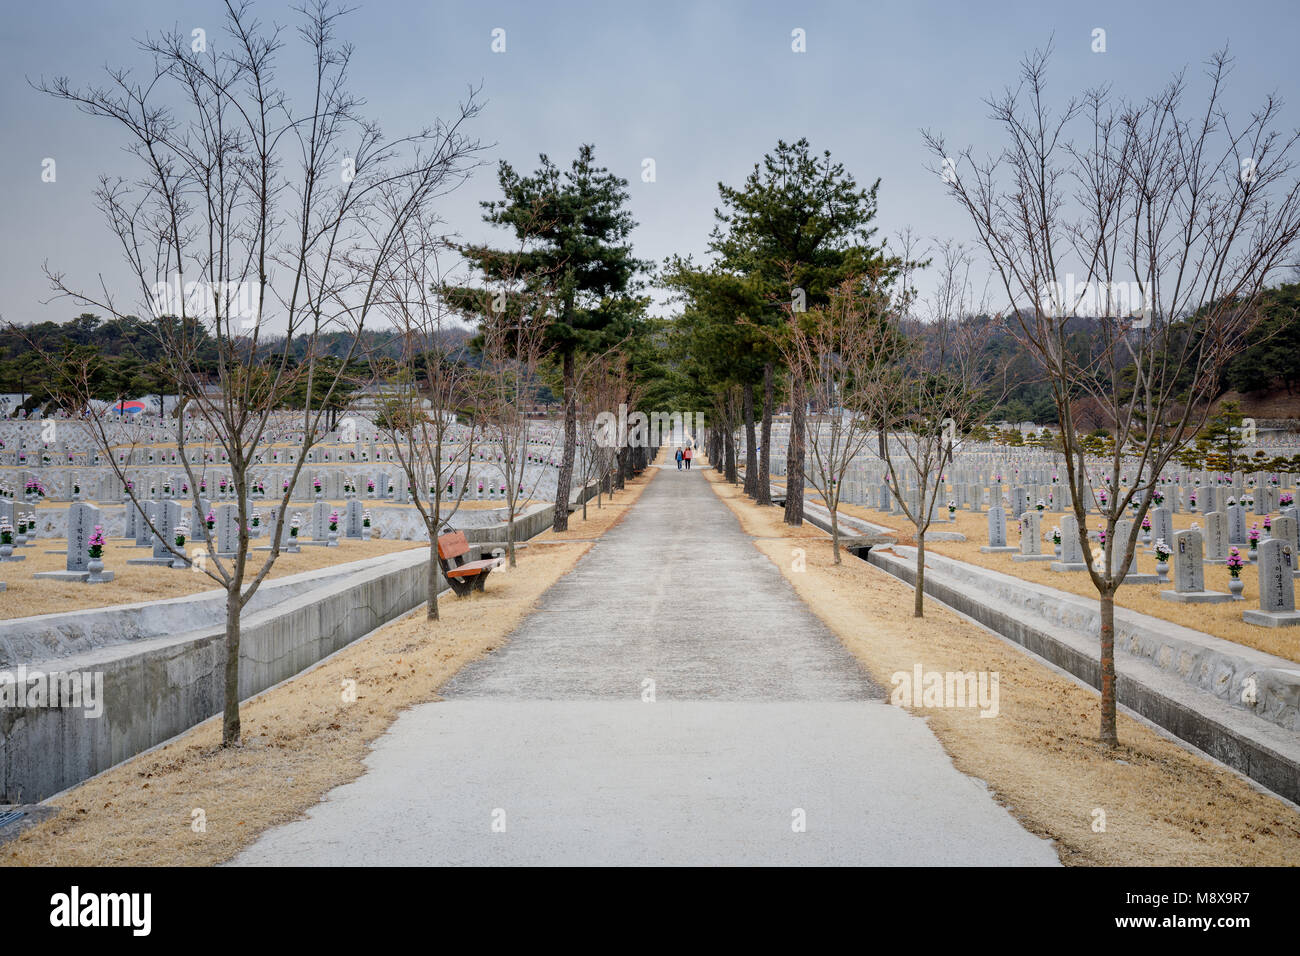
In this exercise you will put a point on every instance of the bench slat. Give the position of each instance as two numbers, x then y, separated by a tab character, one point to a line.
452	545
471	568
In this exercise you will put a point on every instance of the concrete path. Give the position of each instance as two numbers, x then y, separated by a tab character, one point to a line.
671	701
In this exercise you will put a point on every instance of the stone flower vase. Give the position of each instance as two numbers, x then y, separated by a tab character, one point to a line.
1236	586
1162	571
95	567
6	551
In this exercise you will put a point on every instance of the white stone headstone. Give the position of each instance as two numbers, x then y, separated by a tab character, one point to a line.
1188	559
82	519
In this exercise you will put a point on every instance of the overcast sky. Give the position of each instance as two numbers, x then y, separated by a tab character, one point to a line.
704	89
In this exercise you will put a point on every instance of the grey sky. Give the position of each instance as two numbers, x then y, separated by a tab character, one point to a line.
702	88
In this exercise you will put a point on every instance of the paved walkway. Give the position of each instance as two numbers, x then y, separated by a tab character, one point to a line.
547	751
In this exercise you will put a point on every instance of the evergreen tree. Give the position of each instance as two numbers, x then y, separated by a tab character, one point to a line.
573	228
797	228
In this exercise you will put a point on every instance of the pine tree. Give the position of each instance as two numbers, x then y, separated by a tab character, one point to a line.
796	229
573	228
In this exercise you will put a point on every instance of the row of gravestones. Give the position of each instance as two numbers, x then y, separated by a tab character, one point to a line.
166	517
1277	574
988	469
36	454
1222	530
1191	551
72	485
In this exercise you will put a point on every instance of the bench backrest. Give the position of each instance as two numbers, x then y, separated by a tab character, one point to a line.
452	545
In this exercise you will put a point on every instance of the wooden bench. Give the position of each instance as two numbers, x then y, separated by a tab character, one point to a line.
463	575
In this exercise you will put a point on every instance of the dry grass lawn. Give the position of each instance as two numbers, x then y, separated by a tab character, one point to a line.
1163	805
132	583
300	738
25	595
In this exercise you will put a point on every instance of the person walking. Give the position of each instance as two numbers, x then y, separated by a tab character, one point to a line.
680	456
688	454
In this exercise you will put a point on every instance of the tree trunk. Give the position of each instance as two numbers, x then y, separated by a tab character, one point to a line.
1109	733
794	456
565	478
510	537
729	452
835	533
230	731
620	476
751	454
431	612
763	483
918	598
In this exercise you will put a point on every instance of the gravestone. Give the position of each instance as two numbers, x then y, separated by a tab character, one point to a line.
1117	546
997	530
1189	572
227	529
1031	539
145	514
1276	586
131	516
1124	532
1284	527
1019	501
1162	526
1236	524
165	516
352	519
169	519
198	522
1072	558
1216	538
320	522
82	519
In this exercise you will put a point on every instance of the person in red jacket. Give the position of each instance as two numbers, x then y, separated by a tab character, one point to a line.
687	456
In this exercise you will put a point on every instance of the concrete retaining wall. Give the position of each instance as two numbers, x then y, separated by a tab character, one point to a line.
1165	689
159	686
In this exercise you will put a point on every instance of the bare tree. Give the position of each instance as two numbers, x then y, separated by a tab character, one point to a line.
927	385
513	343
287	217
601	383
1164	221
430	384
832	349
